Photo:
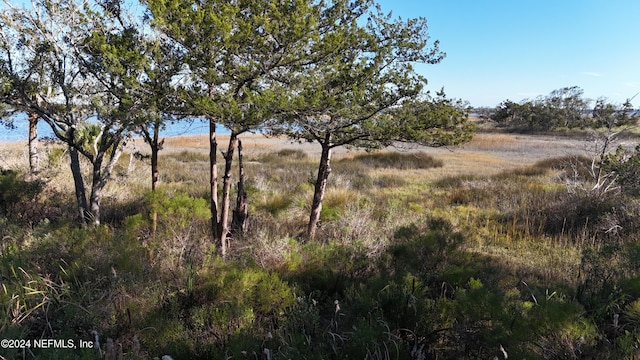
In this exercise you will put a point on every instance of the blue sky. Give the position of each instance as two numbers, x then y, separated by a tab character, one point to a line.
517	49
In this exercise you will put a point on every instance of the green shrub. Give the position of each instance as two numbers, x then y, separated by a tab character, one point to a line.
397	160
578	166
292	153
330	213
241	300
178	210
19	198
275	203
283	156
627	168
589	216
54	156
188	156
425	249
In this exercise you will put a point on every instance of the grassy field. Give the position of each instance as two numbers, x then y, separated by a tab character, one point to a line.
501	247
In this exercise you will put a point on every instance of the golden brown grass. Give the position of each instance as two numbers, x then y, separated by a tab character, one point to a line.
491	141
13	154
252	143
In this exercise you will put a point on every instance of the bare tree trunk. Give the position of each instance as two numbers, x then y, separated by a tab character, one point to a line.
100	178
78	182
155	148
241	212
213	180
226	193
321	184
96	196
130	166
33	143
155	144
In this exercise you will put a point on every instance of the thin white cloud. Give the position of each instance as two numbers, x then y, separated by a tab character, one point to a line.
591	73
633	84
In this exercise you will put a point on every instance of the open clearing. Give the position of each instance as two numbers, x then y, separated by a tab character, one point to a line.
486	154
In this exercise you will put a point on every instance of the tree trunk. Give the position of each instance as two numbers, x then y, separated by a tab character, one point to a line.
155	173
96	195
100	178
241	212
321	184
130	166
155	148
213	179
155	144
78	182
33	143
226	193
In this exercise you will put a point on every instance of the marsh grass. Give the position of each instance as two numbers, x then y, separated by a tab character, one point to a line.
283	155
188	156
398	160
489	141
274	203
419	255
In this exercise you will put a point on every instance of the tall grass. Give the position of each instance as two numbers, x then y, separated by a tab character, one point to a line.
397	160
409	263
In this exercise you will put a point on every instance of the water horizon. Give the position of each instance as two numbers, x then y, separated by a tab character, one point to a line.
20	130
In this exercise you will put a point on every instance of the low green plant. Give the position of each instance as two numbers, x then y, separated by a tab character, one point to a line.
398	160
626	165
188	156
293	153
275	203
19	198
283	156
54	156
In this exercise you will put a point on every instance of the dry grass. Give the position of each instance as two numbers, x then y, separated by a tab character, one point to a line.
13	155
379	188
252	143
491	199
491	141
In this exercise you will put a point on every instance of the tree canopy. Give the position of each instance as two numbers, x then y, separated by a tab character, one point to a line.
339	73
78	66
563	108
365	92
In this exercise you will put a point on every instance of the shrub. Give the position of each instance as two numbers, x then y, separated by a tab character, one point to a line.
188	156
275	203
627	168
284	155
54	156
585	215
293	153
19	198
240	300
397	160
573	167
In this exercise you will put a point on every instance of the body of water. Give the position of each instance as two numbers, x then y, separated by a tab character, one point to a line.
20	131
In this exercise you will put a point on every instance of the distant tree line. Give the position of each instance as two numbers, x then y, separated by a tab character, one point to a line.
564	108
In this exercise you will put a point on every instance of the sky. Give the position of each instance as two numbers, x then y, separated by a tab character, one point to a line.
520	49
514	50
